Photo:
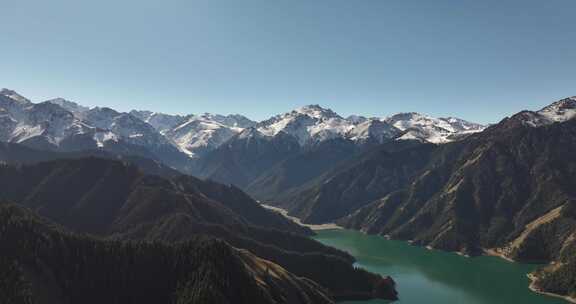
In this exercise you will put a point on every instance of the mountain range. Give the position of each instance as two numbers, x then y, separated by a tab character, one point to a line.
506	191
65	125
445	183
229	149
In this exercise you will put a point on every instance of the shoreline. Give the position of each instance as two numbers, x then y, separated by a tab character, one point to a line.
284	212
495	253
533	279
485	251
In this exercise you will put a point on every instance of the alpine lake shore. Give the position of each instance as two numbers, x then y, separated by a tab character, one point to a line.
355	242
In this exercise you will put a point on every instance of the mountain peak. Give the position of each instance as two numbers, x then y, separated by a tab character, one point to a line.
312	107
68	105
316	111
311	123
14	96
403	115
231	120
375	129
435	130
560	110
356	119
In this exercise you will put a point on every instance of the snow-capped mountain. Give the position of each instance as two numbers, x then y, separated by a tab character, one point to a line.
191	134
58	120
13	104
373	129
559	111
63	125
416	126
43	124
160	121
14	97
312	124
232	120
125	126
307	124
356	119
200	134
196	134
69	105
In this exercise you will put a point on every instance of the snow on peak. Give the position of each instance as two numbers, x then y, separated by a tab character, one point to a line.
197	134
250	133
435	130
316	111
374	129
561	110
160	121
356	119
461	125
314	123
232	120
203	133
69	105
49	121
14	96
529	118
310	123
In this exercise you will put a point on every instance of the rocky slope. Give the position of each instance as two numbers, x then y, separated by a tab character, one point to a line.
259	159
276	183
356	182
508	191
245	157
391	167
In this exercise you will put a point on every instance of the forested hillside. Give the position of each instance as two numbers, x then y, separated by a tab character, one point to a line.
42	263
116	200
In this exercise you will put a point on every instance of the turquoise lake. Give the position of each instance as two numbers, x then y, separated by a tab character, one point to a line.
430	277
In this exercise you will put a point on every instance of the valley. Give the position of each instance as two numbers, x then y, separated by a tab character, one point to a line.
272	189
297	220
288	152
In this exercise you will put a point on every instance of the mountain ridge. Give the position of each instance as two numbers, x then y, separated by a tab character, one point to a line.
112	199
320	123
44	263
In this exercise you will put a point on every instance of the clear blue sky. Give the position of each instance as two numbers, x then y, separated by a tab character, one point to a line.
479	60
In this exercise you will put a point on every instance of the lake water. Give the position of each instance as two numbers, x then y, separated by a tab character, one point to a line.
425	276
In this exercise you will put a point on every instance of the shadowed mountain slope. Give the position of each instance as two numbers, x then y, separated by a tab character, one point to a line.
42	263
112	199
